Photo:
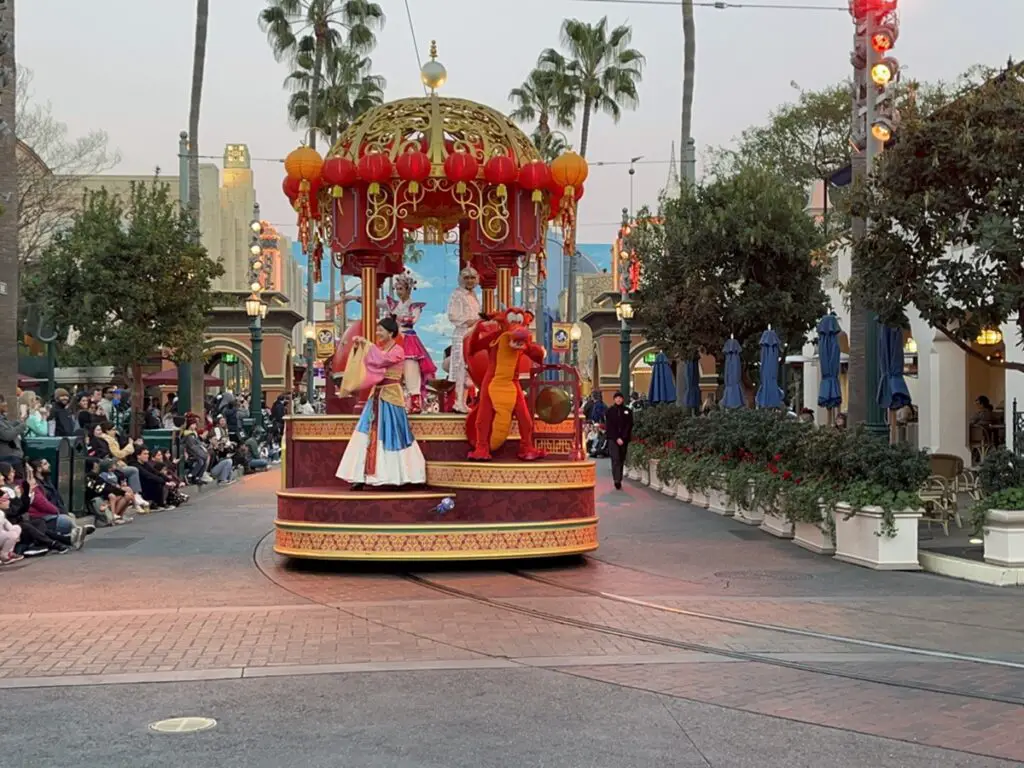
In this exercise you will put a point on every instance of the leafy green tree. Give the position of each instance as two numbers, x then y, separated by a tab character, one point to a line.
129	277
348	90
945	205
598	69
728	260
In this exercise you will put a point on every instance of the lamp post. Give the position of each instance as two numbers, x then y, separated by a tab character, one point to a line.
575	334
256	310
309	334
624	311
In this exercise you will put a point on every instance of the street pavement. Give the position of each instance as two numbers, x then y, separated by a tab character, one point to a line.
621	659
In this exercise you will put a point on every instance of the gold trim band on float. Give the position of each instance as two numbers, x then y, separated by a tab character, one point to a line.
505	476
392	528
462	543
341	493
425	428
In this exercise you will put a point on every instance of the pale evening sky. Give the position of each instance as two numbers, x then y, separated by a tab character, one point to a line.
124	66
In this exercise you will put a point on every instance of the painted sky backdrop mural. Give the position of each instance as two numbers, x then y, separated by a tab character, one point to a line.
437	275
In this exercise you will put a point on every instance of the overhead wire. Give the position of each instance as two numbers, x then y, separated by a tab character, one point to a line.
415	45
720	5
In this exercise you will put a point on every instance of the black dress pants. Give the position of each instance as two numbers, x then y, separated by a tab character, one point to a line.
618	456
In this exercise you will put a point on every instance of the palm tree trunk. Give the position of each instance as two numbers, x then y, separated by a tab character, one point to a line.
314	89
8	220
588	107
689	70
314	95
198	68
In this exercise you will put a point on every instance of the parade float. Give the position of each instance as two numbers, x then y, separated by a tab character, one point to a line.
458	172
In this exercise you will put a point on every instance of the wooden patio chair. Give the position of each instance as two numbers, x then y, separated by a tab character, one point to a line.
941	490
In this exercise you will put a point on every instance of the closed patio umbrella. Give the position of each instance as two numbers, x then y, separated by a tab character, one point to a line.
892	387
691	389
732	395
830	394
768	393
663	387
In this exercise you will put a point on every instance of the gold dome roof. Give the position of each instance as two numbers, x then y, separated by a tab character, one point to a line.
438	126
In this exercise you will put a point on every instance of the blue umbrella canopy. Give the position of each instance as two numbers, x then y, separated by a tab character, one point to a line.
691	390
768	393
892	387
830	394
663	387
732	396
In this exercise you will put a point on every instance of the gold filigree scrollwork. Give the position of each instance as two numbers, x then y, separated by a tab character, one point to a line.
388	205
494	218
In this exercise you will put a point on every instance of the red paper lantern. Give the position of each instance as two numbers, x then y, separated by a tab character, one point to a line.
461	167
414	167
501	170
338	173
375	169
535	176
290	187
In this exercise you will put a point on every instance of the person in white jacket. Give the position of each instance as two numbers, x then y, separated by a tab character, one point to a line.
463	314
10	534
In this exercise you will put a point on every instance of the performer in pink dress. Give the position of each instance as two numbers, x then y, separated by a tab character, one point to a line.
419	368
382	449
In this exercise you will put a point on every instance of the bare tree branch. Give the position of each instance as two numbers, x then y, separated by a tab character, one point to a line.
49	172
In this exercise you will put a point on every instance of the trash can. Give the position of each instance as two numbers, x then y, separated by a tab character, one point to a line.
79	451
58	452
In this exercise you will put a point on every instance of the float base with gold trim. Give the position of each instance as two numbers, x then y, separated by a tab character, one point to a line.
503	509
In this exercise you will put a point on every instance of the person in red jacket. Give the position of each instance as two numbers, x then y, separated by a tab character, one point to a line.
56	522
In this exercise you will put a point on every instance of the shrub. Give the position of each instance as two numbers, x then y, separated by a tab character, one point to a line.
1001	469
1010	498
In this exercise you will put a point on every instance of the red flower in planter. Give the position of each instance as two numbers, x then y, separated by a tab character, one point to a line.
671	445
687	449
777	457
798	480
773	469
786	475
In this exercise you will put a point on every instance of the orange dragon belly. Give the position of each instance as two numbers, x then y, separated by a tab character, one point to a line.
503	391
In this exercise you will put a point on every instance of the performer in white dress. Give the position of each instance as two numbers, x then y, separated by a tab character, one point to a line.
419	368
463	313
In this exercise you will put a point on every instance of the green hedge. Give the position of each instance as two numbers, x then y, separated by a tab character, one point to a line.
767	459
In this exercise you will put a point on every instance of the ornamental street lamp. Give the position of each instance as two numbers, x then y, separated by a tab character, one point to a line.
624	312
309	333
575	334
256	311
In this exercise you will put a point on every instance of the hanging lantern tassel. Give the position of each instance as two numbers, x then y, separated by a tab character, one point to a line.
568	221
414	187
337	191
318	258
537	196
502	191
542	266
461	187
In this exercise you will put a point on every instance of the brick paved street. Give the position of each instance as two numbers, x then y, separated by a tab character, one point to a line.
197	594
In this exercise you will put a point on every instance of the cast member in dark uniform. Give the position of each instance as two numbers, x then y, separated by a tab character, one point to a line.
618	421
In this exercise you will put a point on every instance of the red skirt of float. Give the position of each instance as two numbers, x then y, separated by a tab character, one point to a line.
504	509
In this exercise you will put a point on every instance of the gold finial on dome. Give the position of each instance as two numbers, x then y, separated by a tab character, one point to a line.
432	73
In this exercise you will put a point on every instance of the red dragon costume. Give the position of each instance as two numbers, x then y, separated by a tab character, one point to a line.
497	350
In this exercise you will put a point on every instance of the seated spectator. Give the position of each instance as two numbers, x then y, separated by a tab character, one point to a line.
10	533
222	443
57	523
44	478
10	437
108	501
175	495
151	415
251	453
110	471
107	434
154	484
34	540
197	458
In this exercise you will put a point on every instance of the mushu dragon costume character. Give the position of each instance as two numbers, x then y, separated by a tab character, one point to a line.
498	349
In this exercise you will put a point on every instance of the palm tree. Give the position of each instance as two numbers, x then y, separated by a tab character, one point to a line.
550	144
689	68
8	210
318	27
598	68
541	97
347	91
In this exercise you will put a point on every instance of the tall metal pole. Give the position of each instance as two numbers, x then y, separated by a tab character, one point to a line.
875	415
184	367
625	332
256	396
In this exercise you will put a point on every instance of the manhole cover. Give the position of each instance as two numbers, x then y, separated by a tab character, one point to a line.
106	542
183	725
764	575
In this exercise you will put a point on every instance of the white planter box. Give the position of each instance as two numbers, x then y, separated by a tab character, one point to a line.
669	489
699	499
632	473
1004	537
720	503
749	516
777	525
859	540
814	536
683	493
654	481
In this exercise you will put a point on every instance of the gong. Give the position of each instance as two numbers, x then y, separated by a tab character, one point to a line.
553	405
